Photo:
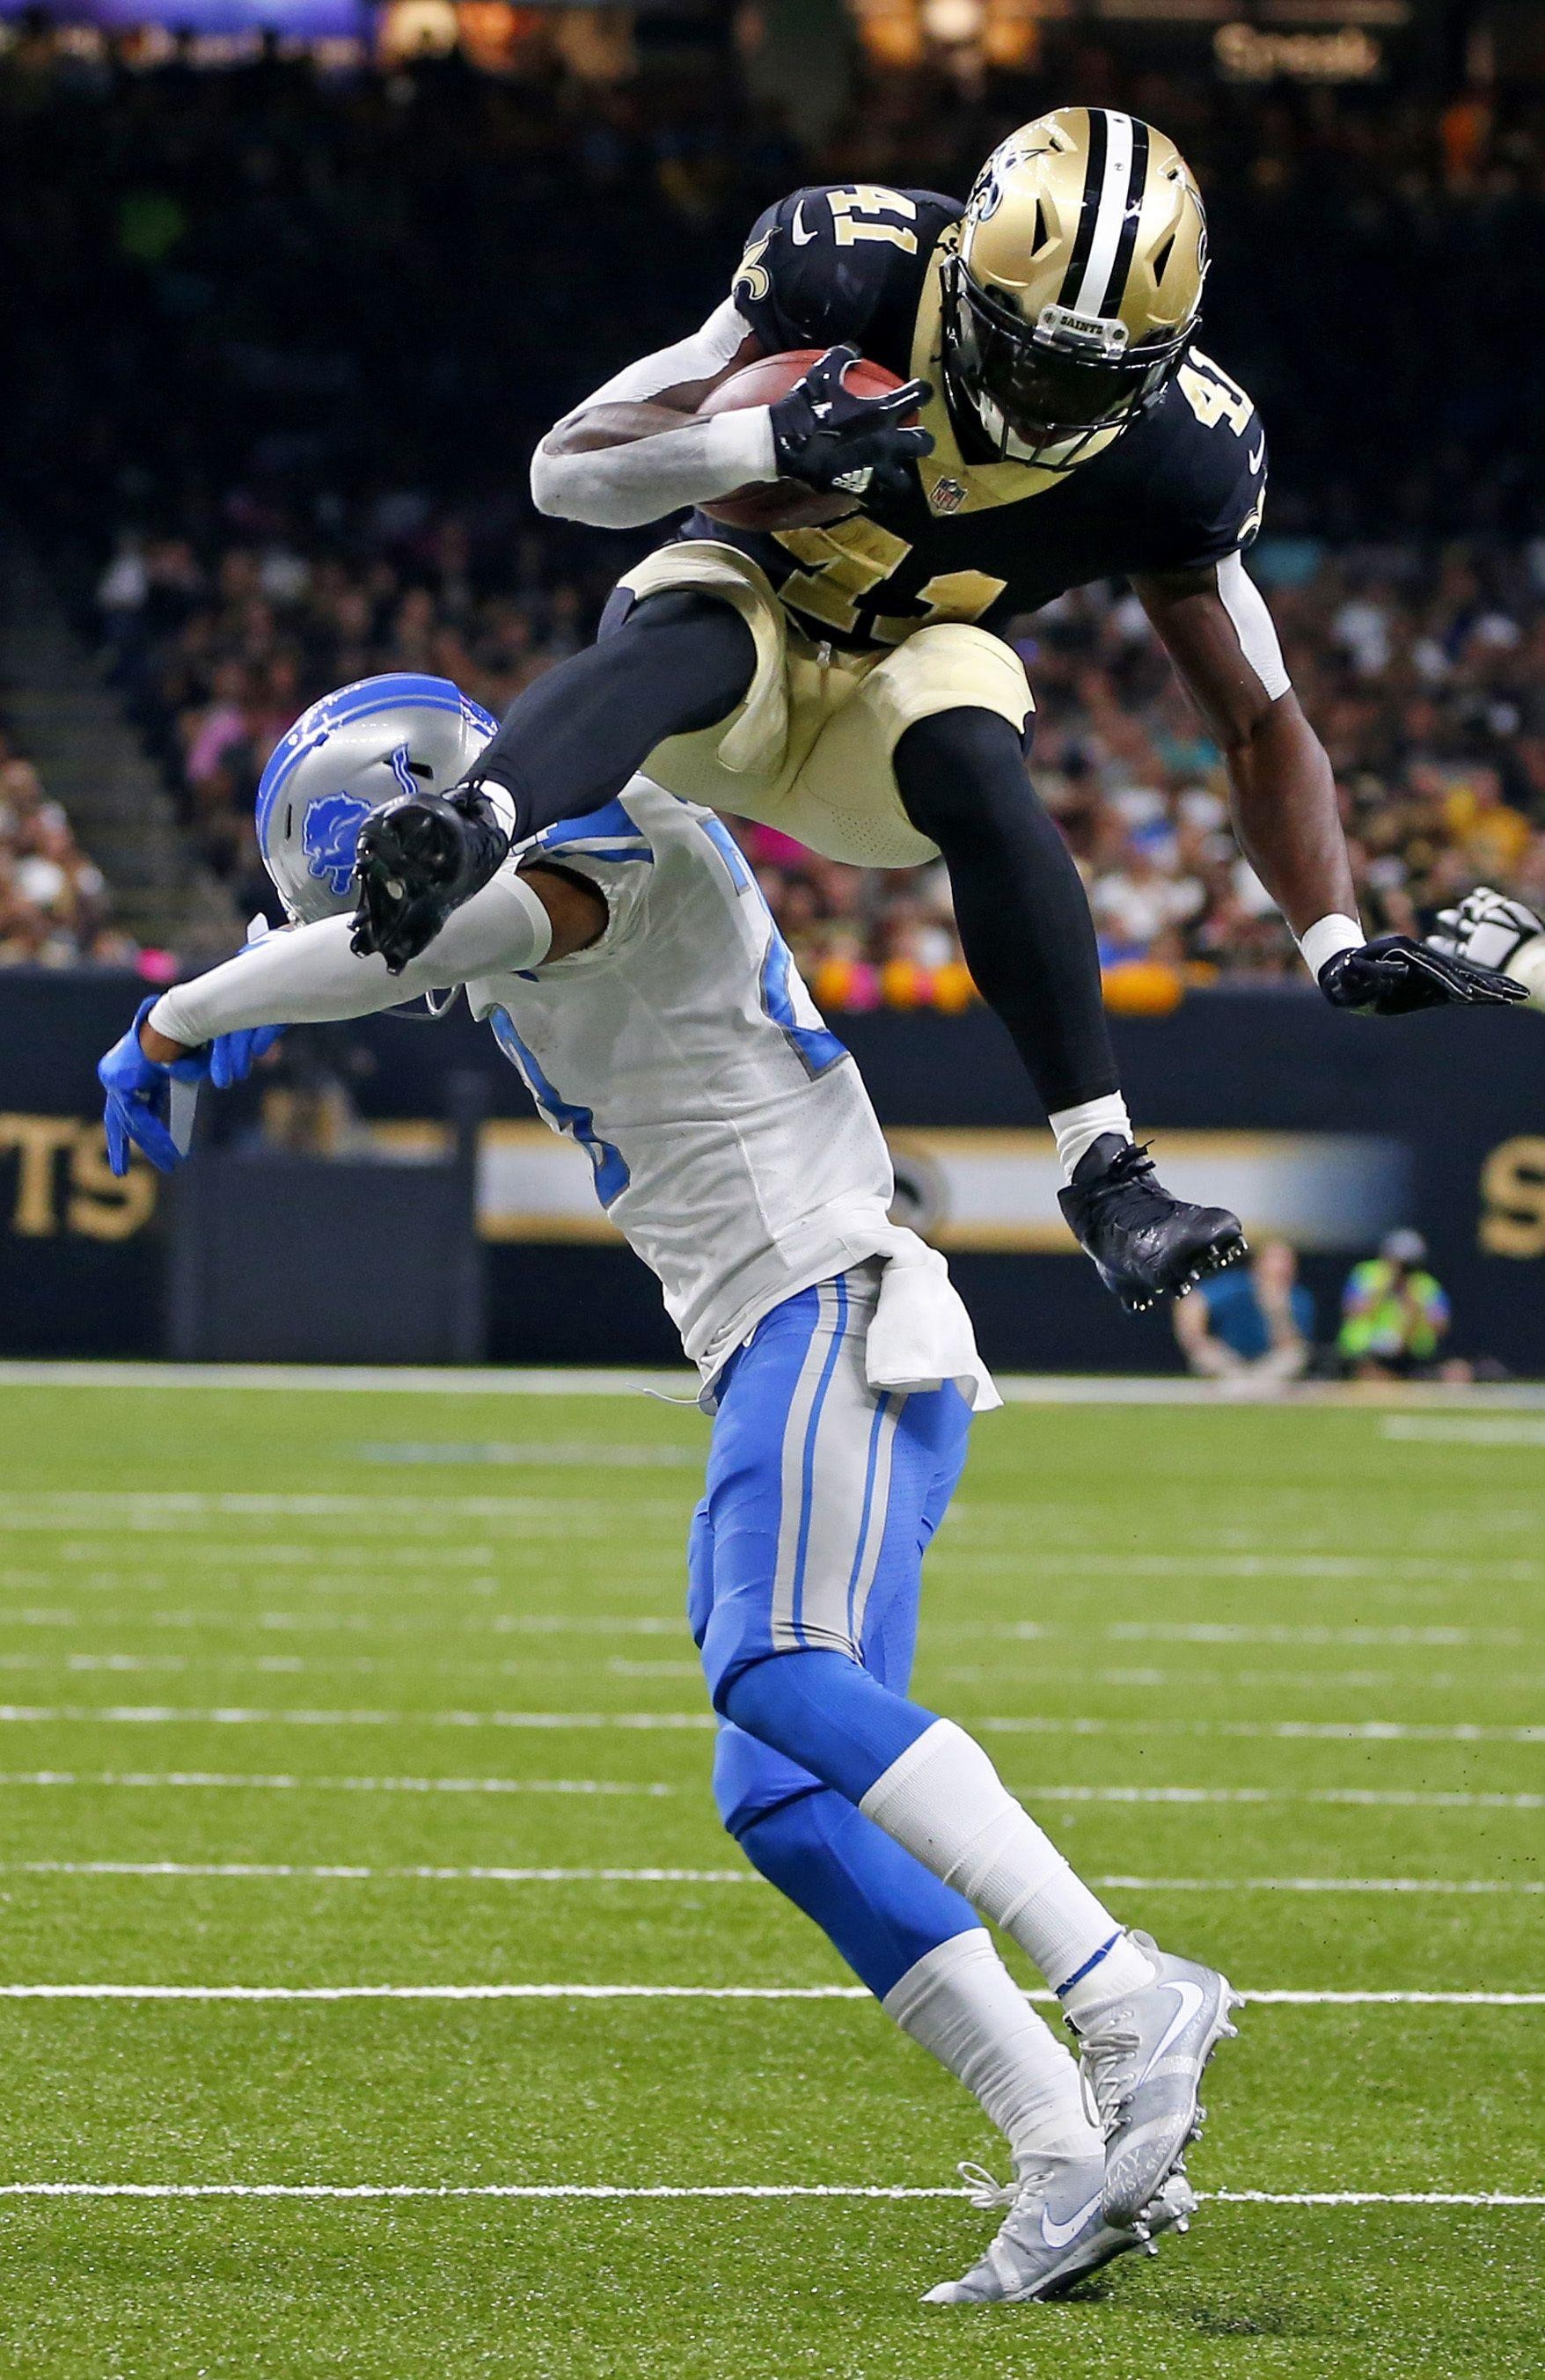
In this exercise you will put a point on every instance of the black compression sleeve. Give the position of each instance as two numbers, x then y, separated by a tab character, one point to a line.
1024	920
665	666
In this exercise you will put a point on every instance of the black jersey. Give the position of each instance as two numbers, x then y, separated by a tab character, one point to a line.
973	538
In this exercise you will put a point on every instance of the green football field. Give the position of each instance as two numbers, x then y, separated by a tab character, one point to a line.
379	1998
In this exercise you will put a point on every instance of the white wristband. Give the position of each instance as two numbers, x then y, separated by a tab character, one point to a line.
1326	938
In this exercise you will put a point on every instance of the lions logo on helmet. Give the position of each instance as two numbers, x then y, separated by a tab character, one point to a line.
328	838
356	749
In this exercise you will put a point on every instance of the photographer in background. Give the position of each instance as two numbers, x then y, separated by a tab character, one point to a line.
1255	1324
1394	1315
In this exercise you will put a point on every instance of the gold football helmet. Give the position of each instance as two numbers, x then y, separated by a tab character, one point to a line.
1077	281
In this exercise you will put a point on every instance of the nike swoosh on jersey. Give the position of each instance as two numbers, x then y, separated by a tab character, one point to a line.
799	236
1060	2235
1259	456
1190	2002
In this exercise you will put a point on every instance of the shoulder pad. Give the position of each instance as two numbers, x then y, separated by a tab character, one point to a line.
822	264
1218	487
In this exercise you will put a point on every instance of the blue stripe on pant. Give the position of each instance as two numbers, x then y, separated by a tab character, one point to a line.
821	1500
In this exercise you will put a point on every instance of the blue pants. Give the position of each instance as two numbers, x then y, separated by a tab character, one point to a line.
822	1498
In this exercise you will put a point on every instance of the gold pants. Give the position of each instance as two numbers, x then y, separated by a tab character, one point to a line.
810	749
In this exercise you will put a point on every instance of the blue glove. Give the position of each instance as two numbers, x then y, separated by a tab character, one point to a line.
232	1056
139	1095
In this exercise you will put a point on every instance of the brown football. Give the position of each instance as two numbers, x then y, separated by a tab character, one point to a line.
784	503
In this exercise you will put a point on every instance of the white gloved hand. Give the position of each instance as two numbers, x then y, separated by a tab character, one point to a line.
1486	928
1492	931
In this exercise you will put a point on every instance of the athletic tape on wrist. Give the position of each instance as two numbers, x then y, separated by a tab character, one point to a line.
1327	938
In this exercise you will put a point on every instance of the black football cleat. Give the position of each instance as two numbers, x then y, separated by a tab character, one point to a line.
1144	1243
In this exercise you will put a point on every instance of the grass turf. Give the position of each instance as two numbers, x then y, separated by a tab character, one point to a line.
1205	1606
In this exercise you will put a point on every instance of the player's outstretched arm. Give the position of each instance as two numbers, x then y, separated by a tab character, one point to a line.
313	976
1219	636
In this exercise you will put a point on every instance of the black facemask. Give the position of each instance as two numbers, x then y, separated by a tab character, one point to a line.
1046	393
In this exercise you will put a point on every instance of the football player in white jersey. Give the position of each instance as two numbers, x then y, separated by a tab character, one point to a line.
629	966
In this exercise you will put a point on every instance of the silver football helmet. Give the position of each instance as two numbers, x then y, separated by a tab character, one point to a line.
399	734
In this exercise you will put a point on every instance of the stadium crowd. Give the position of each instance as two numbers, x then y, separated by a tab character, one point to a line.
284	444
1426	674
54	902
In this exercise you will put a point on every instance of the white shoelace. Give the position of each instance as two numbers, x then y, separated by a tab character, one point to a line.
987	2191
1106	2075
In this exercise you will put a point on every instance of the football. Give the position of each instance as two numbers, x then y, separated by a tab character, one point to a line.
784	503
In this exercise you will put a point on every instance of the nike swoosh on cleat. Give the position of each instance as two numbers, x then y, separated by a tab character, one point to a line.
1190	2002
802	238
1058	2235
1256	459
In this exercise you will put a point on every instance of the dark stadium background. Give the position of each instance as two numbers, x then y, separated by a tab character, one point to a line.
283	318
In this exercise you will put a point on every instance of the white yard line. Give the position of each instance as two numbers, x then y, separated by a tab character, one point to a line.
1366	1730
1207	1632
241	1715
171	1514
177	1779
959	1553
284	1870
459	1992
293	1380
1353	1638
280	1870
84	1504
1032	1387
735	2190
1360	1797
1179	1796
1466	1430
1362	1731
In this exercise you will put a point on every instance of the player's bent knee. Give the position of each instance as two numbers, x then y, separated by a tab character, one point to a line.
958	766
752	1781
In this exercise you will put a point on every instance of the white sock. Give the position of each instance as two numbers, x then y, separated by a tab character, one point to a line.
943	1801
1125	1967
960	2002
1079	1128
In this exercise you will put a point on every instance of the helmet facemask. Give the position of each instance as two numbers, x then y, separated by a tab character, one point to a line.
1052	389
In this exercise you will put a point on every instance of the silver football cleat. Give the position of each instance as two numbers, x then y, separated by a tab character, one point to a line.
1141	2061
1054	2233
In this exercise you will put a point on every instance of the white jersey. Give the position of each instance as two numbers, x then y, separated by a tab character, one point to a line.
731	1137
732	1140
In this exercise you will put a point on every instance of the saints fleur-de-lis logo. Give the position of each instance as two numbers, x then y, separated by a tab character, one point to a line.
753	277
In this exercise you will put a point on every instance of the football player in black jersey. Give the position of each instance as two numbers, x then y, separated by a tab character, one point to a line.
841	673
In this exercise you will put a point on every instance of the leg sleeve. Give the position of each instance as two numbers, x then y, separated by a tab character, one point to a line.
877	1905
665	666
1025	923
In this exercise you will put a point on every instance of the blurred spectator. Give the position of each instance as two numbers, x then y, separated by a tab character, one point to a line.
1253	1323
1394	1316
53	899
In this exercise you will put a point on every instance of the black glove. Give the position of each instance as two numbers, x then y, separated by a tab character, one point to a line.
1392	976
419	857
828	438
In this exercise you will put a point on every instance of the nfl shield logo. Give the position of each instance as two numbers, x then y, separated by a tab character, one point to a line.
948	495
